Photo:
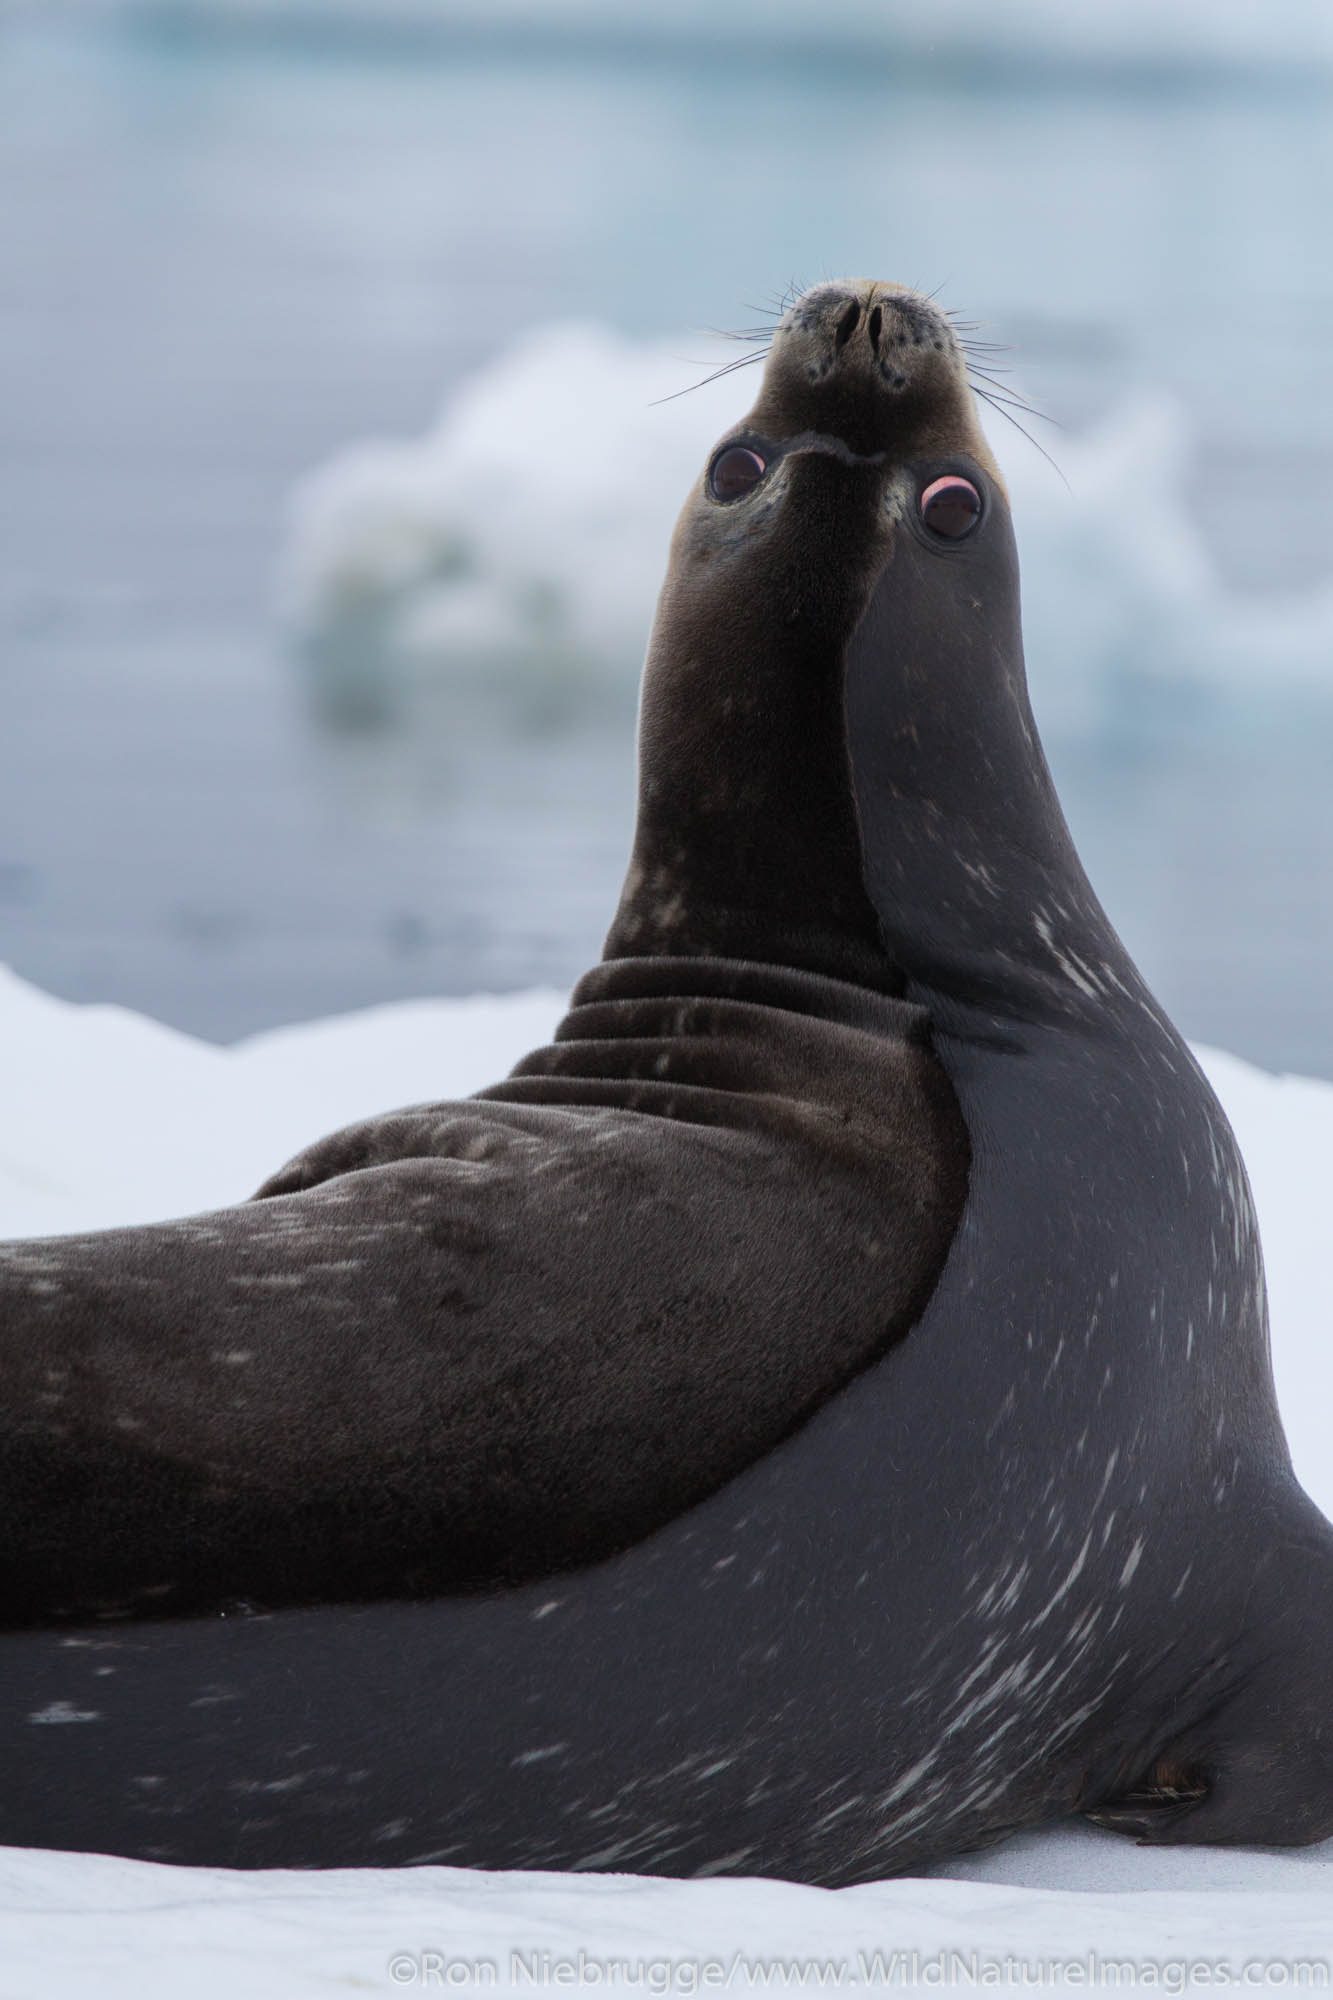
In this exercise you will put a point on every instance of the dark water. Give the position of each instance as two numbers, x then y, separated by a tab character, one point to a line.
221	264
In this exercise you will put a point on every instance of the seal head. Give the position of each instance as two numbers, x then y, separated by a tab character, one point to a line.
748	842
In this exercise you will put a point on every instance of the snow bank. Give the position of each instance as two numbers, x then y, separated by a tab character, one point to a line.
108	1118
514	552
127	1930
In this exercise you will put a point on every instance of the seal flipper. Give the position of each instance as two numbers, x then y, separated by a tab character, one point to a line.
1262	1780
1148	1809
1255	1769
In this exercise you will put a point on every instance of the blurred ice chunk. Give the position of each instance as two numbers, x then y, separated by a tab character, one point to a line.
516	550
1130	627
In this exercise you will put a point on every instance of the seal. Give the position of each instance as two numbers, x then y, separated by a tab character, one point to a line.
812	1418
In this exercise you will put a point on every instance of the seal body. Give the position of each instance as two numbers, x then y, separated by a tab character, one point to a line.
864	1167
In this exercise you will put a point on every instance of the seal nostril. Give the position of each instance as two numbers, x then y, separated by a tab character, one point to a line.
847	324
873	326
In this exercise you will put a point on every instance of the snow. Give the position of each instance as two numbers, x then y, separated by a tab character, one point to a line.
132	1930
108	1118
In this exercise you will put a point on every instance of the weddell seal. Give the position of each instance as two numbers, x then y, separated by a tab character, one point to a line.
812	1418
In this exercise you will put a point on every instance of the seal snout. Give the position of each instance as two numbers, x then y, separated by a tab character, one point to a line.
885	332
876	365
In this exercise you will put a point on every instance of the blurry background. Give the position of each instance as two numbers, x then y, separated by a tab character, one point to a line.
334	495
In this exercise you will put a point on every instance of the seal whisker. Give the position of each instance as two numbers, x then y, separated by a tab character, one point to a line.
997	404
747	333
998	393
998	397
727	368
973	327
992	375
989	368
1004	392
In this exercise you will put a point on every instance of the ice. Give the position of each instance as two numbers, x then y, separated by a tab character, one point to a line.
1124	606
522	537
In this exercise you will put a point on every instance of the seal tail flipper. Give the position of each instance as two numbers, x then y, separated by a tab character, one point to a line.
1265	1795
1148	1809
1257	1768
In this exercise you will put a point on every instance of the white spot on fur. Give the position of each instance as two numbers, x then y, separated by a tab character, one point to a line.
537	1756
64	1711
1131	1562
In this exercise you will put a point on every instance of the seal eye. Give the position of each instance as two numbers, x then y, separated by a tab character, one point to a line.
951	507
736	472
